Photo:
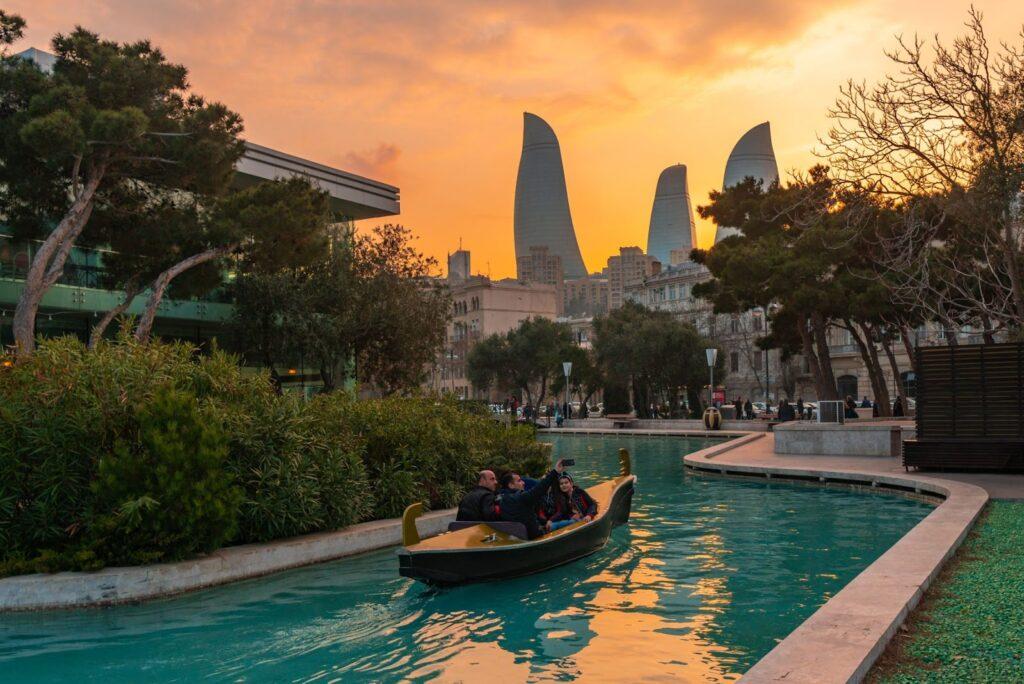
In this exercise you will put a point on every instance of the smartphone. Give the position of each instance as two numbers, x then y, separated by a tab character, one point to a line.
566	462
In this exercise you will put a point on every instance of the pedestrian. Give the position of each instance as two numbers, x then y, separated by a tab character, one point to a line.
738	405
800	407
850	410
786	411
748	408
865	403
897	408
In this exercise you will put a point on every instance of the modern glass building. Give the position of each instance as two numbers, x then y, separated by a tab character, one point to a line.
672	228
542	217
752	157
77	301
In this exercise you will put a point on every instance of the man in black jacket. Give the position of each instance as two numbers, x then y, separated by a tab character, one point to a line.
518	504
478	503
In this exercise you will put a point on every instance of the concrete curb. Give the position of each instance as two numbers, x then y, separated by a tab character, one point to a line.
643	432
842	640
111	586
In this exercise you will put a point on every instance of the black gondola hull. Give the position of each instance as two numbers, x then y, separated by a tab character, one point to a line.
459	566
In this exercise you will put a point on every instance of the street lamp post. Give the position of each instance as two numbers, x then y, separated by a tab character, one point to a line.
712	355
567	367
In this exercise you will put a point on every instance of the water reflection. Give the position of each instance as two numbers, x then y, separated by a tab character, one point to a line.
706	577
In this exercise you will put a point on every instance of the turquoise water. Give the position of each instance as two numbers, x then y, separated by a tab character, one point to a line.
708	575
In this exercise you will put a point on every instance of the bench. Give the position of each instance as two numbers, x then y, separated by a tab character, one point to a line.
514	529
620	420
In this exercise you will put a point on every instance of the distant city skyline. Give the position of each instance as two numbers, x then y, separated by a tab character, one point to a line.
428	96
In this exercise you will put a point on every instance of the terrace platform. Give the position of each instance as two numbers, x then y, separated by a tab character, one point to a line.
830	439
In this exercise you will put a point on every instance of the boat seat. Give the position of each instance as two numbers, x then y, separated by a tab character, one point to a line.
513	528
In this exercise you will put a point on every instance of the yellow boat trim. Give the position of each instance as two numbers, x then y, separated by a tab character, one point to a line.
484	536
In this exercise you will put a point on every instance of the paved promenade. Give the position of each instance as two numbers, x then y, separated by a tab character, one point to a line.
760	452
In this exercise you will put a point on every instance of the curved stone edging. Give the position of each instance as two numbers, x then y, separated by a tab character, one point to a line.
111	586
842	640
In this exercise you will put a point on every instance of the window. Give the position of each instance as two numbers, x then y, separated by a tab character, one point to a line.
758	360
734	325
757	323
847	386
734	362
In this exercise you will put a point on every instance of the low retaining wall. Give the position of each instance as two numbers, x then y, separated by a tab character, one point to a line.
825	439
138	583
657	424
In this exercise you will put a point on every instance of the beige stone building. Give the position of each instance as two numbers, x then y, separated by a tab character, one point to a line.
586	296
543	267
482	307
751	370
628	269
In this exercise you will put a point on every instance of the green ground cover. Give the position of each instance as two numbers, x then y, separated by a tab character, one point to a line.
970	626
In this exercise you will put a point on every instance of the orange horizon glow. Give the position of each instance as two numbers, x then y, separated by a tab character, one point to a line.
429	95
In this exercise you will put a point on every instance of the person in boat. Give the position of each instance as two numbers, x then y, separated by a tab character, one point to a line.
516	503
570	504
478	503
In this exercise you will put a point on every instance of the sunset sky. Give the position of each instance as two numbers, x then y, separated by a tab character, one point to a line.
429	95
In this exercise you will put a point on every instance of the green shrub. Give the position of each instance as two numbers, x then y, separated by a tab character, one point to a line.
300	471
165	495
430	450
100	451
65	408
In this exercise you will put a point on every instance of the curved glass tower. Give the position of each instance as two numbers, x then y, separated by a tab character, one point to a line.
672	226
542	217
752	156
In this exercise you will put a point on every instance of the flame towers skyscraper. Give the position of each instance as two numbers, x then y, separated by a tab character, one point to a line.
672	228
753	156
542	217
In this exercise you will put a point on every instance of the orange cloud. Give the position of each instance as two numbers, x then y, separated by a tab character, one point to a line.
629	86
379	161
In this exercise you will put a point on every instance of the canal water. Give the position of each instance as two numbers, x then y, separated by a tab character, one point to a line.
705	579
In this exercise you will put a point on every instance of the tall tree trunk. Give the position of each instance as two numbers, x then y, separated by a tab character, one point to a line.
48	264
327	376
145	326
828	376
909	347
891	355
1011	252
820	386
986	324
130	292
869	355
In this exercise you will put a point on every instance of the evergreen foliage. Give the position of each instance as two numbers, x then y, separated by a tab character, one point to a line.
141	452
164	494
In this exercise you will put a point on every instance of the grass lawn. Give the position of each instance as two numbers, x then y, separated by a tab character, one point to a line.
970	625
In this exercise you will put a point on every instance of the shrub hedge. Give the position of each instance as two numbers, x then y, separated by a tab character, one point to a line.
135	453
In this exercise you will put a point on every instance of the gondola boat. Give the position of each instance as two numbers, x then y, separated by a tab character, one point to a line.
478	552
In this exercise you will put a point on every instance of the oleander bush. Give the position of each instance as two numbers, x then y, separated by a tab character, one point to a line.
164	494
429	449
136	453
301	471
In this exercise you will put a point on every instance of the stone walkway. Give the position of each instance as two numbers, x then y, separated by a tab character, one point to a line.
998	485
